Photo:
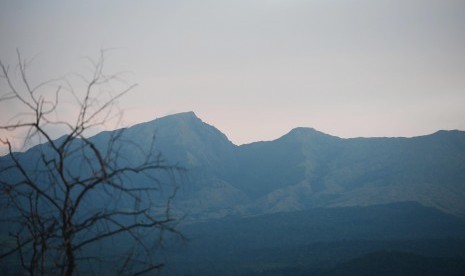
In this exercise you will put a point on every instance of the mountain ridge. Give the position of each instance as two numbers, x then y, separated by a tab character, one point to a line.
302	169
191	115
306	168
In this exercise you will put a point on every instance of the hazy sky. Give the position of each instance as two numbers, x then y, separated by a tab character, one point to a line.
257	68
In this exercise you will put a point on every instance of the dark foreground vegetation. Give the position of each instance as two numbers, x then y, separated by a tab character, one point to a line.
393	239
382	263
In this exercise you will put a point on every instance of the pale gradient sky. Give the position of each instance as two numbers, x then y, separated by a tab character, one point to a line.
257	68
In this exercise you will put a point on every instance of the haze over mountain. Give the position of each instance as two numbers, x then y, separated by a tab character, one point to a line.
303	169
306	168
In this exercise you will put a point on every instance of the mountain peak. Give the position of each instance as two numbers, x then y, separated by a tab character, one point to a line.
305	133
188	128
182	115
302	130
448	132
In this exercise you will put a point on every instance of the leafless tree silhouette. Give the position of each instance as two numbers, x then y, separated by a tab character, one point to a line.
79	204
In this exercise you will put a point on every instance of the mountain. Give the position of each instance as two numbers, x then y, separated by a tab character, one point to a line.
305	203
306	168
301	170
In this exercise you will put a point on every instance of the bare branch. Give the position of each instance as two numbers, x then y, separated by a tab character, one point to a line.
49	192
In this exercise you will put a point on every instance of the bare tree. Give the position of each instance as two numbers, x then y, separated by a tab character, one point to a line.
78	204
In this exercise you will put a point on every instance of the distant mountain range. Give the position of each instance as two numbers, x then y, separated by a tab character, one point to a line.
306	168
305	203
301	170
